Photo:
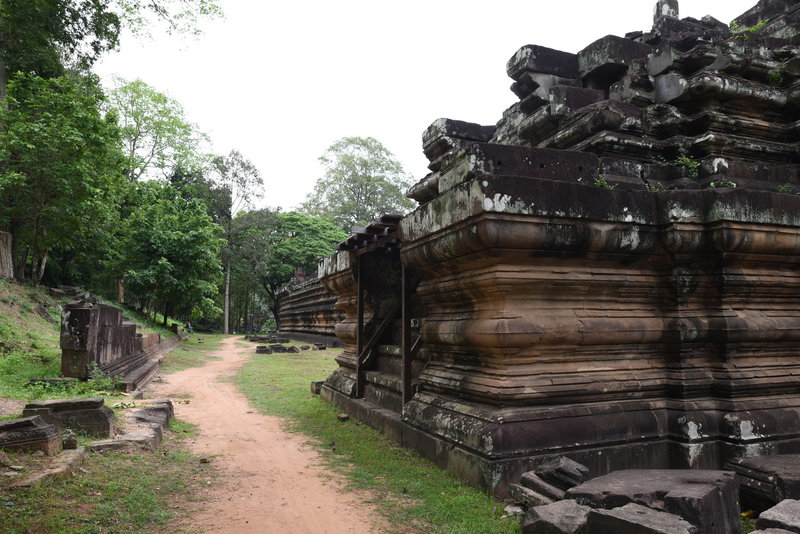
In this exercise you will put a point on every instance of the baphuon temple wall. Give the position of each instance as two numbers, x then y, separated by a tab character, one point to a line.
610	273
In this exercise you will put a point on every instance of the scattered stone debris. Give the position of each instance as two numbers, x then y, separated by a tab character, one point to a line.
320	346
305	347
293	349
784	515
5	461
263	349
708	500
89	416
343	417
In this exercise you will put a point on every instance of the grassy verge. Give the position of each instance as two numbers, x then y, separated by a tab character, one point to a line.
411	492
193	352
122	492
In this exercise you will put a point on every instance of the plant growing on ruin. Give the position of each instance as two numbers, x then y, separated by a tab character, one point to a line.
601	182
691	165
774	78
744	33
788	189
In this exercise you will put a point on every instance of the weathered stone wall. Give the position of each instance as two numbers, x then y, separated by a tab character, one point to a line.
6	265
308	311
609	272
96	337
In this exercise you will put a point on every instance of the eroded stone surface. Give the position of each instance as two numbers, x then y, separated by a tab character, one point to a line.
637	519
784	515
562	517
767	480
30	434
89	416
706	499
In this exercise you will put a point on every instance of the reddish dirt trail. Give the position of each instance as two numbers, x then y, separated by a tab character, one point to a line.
271	481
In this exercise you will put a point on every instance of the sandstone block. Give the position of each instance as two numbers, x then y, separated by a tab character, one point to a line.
784	515
562	517
707	499
636	519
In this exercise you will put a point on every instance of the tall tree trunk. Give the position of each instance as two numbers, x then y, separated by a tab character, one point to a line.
40	271
227	294
121	291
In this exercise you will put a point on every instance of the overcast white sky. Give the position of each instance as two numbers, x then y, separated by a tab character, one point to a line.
281	81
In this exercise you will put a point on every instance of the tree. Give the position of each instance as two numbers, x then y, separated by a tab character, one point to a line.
362	181
172	250
59	163
276	244
157	137
242	181
38	36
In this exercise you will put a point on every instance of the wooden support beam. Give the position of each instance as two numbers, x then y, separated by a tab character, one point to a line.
406	351
360	377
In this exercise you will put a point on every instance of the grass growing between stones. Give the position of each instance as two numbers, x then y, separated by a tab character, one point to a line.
413	494
193	352
122	492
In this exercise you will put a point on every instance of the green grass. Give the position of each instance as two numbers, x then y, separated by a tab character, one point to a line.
125	492
193	352
411	492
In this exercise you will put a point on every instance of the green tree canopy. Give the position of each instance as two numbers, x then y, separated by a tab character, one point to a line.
362	181
59	164
171	252
275	244
157	137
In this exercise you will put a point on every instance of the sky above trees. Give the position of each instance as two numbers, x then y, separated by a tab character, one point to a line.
282	81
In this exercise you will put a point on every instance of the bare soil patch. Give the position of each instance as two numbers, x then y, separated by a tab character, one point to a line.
271	480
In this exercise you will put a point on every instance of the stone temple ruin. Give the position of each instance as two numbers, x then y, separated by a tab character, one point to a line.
609	274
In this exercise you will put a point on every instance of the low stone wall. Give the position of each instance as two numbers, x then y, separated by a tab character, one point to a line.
97	337
308	312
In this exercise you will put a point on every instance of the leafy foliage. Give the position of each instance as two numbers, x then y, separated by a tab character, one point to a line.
59	163
39	34
172	252
362	181
275	244
157	137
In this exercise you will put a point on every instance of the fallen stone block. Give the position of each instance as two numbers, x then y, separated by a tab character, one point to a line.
292	350
533	482
88	416
707	499
277	348
316	387
305	347
528	497
637	519
562	517
767	480
562	473
30	434
263	349
784	515
320	346
771	531
157	412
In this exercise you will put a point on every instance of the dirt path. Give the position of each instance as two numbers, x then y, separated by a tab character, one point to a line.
271	481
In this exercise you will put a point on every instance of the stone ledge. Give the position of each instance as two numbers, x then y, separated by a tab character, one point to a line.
66	462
